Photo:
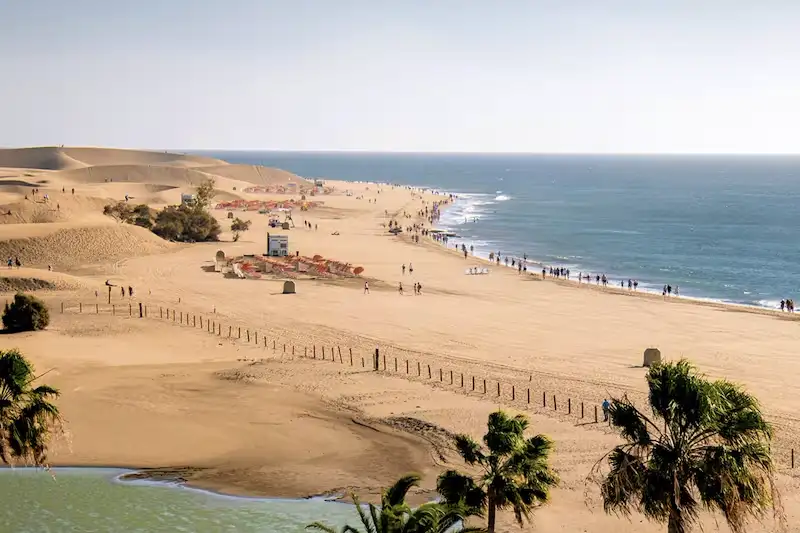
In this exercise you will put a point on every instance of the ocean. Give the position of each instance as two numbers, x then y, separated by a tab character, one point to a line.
93	500
722	228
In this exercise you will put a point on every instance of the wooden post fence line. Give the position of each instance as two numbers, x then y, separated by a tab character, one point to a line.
216	328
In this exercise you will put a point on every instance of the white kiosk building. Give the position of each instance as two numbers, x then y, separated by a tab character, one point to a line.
277	245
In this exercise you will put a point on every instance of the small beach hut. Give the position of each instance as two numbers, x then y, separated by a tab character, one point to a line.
651	357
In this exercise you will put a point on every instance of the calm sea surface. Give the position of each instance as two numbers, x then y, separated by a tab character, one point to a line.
725	228
89	500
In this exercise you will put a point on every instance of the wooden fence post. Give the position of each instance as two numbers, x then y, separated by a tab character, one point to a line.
395	364
113	309
792	457
256	338
141	311
194	321
529	396
80	307
96	309
62	308
451	377
595	414
441	378
462	380
484	386
498	389
419	369
429	371
555	404
130	309
160	312
376	361
473	382
384	361
323	352
513	393
314	347
182	318
362	362
569	406
351	356
544	399
581	409
406	366
340	353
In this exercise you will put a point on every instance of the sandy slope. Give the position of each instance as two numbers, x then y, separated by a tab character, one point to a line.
61	158
144	393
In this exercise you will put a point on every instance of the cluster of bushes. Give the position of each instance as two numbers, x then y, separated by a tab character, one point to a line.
189	222
140	215
186	223
25	313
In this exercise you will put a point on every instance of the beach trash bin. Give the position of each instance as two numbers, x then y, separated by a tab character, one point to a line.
651	357
288	287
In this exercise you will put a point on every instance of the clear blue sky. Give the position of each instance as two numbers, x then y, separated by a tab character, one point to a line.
403	75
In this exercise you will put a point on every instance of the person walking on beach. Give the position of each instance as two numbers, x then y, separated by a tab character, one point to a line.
404	269
783	304
410	269
400	288
130	291
635	284
366	287
606	407
122	290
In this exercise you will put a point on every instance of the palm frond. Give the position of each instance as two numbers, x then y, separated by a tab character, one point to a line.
623	486
396	494
632	425
504	433
319	526
469	450
456	488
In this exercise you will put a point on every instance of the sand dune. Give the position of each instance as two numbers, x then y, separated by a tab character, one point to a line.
67	158
257	175
43	158
63	246
30	279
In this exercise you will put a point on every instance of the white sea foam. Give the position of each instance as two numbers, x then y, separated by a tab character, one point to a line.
502	198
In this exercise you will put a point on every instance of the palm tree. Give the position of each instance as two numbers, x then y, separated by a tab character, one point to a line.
27	416
395	515
706	445
515	470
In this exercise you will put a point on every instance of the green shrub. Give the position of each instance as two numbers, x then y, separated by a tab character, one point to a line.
238	226
185	223
140	215
25	313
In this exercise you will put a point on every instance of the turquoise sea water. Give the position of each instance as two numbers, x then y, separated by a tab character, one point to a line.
91	500
723	228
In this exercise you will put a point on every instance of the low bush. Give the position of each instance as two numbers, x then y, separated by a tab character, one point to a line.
25	313
186	223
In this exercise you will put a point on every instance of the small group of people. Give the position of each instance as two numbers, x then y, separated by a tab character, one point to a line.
410	269
417	288
14	262
669	290
787	305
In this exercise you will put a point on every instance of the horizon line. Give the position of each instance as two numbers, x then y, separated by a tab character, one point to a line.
459	152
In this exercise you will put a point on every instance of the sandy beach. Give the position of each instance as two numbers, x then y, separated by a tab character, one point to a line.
249	418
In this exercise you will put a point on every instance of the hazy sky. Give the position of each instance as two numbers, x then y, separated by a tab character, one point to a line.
427	75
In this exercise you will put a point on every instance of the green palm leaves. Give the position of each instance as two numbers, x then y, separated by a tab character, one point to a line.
395	516
27	416
514	470
704	445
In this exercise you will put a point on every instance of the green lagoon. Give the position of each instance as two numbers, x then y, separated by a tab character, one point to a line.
93	500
